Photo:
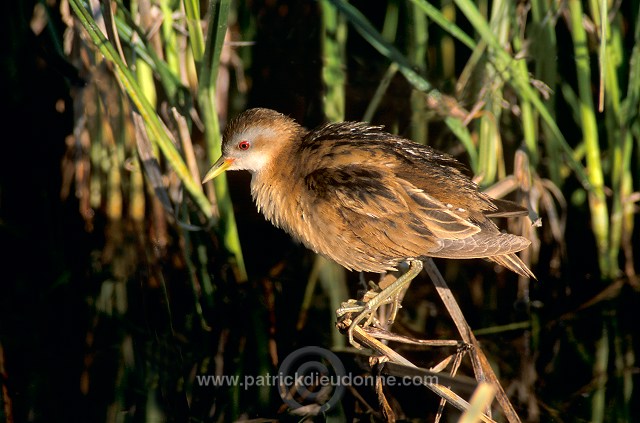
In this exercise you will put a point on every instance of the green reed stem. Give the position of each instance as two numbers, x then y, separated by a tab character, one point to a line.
597	201
490	158
391	19
447	44
630	128
207	75
418	45
544	47
334	38
389	32
196	36
380	92
440	19
528	116
620	140
170	41
598	400
333	278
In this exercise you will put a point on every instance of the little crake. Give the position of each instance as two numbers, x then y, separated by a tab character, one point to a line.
365	198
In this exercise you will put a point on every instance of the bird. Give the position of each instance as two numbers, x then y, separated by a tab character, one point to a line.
365	198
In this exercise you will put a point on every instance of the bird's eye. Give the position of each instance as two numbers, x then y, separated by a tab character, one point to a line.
244	145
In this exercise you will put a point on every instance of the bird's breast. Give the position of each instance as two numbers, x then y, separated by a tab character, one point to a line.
279	198
320	224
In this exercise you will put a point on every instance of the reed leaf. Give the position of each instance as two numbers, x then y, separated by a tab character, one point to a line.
152	121
521	83
373	37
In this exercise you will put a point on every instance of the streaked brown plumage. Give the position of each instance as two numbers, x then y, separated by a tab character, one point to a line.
363	197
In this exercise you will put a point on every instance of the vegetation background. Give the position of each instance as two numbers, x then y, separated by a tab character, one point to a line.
121	282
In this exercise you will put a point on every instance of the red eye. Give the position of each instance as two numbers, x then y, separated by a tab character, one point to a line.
244	145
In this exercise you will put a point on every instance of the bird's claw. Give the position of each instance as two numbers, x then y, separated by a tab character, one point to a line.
373	299
362	310
350	306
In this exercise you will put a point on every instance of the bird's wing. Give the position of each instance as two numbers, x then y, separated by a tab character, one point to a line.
480	246
506	208
377	198
387	199
443	177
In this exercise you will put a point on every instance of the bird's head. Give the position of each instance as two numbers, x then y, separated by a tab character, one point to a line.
253	140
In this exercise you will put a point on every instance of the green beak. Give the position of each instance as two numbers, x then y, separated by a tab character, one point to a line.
218	167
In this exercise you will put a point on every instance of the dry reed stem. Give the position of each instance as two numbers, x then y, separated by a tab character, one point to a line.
481	366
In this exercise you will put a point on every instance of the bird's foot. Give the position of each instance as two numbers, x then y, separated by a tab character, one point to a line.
350	306
348	321
366	309
359	309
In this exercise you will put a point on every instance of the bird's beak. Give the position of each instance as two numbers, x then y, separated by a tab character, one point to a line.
218	167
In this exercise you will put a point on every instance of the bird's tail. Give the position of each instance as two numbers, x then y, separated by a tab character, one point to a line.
513	263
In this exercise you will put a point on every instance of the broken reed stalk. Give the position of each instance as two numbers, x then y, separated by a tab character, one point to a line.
482	369
442	391
481	366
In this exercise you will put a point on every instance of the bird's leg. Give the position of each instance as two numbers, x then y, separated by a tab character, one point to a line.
395	306
367	311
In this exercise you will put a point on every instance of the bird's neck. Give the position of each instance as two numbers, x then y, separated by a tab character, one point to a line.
273	189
